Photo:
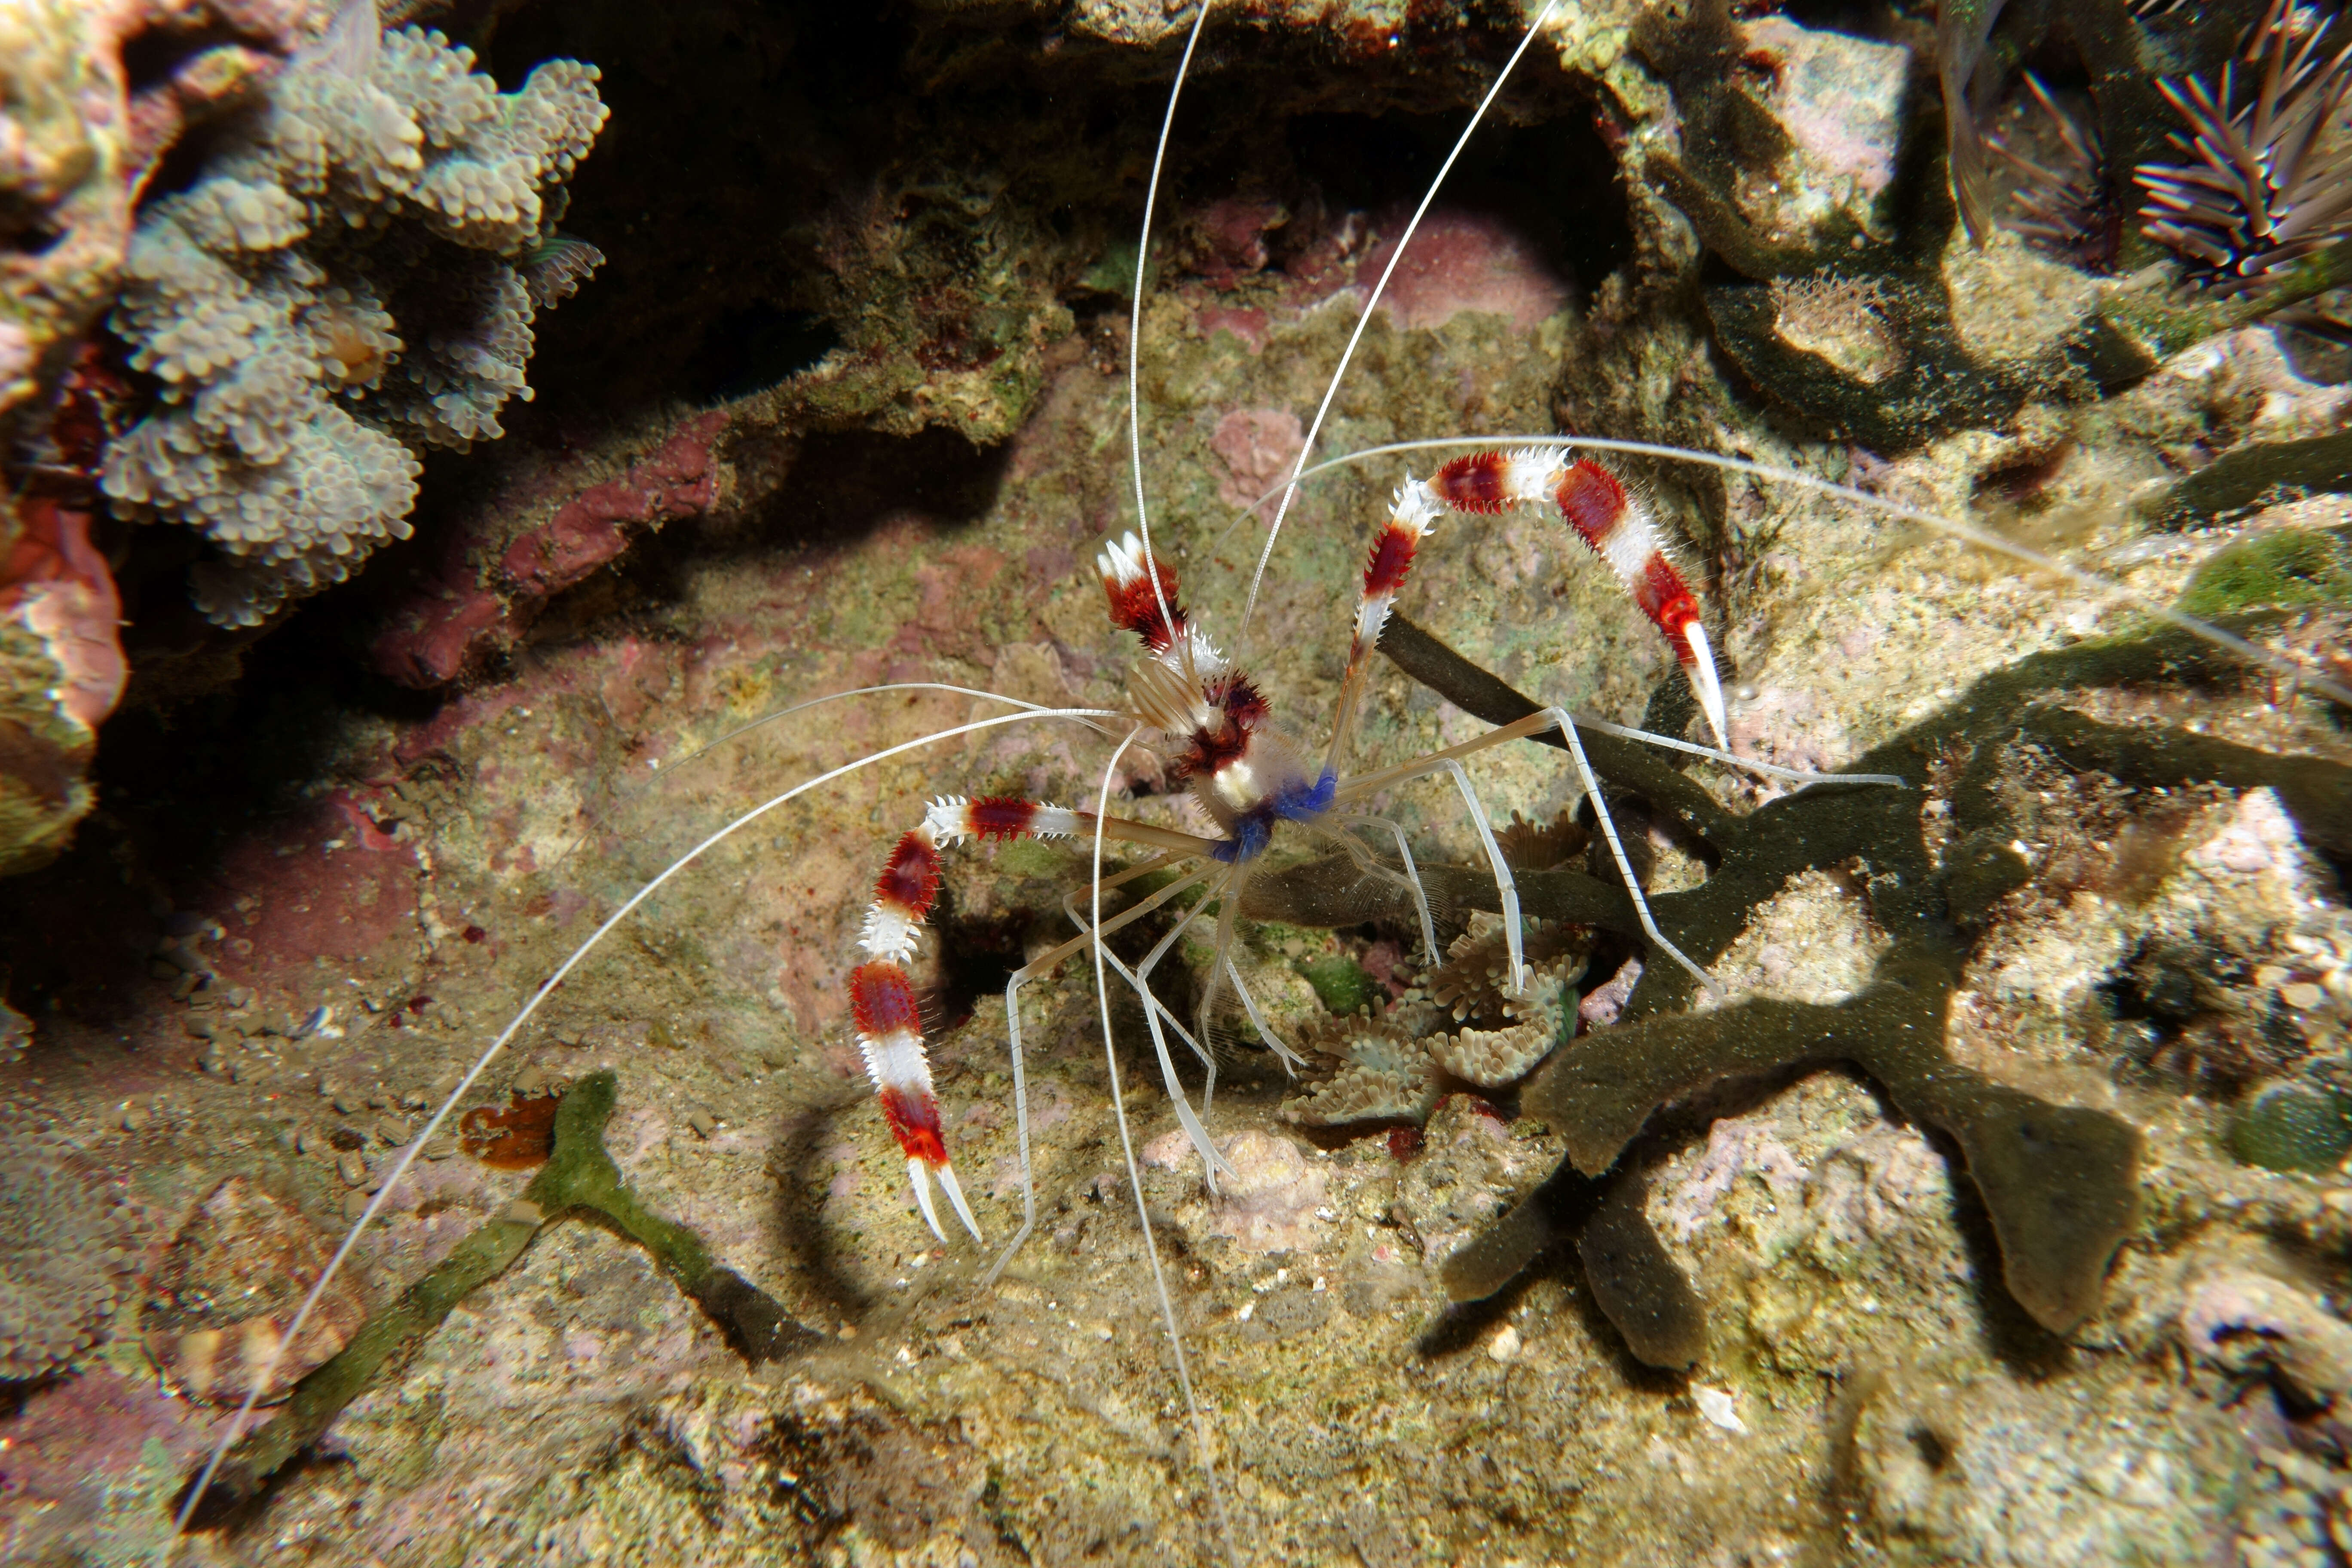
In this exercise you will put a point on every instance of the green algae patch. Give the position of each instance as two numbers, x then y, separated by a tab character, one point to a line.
579	1177
1341	984
2287	567
1028	858
2292	1127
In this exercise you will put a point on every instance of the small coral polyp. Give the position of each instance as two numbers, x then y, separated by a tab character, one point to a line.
354	278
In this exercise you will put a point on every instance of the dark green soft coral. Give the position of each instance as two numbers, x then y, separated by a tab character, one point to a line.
2060	1183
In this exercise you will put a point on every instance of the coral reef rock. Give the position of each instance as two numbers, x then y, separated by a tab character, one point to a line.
78	138
65	1251
228	1289
1986	1471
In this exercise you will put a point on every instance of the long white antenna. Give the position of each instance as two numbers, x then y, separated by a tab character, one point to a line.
236	1421
1135	1176
1135	329
1290	490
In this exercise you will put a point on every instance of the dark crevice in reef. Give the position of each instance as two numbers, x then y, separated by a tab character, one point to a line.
580	1178
185	771
2059	1184
752	348
1553	184
753	157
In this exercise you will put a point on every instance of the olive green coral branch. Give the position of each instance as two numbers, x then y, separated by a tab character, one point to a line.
579	1177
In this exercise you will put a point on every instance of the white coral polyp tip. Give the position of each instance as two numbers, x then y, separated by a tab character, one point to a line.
1704	683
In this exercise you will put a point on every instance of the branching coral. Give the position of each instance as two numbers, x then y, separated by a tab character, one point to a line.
354	278
2269	175
2058	1182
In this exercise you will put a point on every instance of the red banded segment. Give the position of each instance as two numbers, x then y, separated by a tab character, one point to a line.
915	1122
1000	816
891	1022
882	1000
1134	607
1479	482
1668	601
911	882
1592	500
1390	559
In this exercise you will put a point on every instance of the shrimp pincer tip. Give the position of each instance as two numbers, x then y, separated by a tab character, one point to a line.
954	1190
1121	560
1704	683
917	1175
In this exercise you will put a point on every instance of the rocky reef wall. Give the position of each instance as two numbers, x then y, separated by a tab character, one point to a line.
1992	1213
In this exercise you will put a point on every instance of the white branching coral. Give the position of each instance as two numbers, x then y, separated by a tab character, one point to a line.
354	278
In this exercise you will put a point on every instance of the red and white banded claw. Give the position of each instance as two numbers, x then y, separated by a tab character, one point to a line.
1604	514
890	1027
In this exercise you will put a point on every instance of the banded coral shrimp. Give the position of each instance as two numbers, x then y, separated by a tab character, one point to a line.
1095	1011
